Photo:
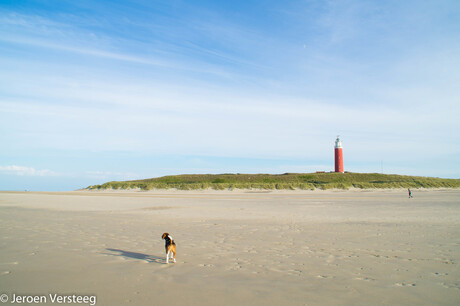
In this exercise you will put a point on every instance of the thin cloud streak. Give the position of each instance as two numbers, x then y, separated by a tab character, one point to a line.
26	171
43	33
92	52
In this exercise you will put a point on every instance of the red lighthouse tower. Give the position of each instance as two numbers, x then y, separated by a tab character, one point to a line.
338	155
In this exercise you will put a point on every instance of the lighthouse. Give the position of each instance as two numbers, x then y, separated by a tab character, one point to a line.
338	155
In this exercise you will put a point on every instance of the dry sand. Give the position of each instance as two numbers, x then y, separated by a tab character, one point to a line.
277	248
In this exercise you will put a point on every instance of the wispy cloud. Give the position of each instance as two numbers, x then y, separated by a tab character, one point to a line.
180	55
26	171
87	51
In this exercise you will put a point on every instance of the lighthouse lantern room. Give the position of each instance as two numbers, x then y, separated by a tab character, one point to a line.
338	155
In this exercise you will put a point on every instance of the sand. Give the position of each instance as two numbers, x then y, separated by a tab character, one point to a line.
234	248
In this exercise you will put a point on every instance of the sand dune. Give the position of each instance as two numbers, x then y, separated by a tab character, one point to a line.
276	248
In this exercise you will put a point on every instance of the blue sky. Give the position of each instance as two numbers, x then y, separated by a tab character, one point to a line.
92	91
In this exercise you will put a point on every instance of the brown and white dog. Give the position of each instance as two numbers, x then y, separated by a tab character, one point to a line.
170	247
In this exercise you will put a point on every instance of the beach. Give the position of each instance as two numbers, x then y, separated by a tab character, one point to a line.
243	247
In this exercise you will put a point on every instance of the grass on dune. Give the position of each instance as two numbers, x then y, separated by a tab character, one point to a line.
291	181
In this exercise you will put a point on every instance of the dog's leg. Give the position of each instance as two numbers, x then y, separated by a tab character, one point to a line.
167	257
174	255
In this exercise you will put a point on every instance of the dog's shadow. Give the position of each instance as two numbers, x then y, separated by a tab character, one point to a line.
135	255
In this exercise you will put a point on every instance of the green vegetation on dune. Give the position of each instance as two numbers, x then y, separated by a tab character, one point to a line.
291	181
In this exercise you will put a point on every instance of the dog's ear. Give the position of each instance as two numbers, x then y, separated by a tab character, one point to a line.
164	235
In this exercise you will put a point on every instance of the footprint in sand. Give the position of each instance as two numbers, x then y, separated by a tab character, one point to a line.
451	285
405	284
330	259
295	272
367	279
440	274
10	263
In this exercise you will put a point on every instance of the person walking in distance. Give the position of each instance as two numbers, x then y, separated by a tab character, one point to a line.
410	193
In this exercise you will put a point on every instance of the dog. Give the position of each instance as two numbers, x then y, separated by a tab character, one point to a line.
170	247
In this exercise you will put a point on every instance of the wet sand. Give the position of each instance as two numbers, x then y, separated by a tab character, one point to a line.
240	247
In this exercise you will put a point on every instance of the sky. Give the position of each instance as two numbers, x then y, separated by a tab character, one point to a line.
96	91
